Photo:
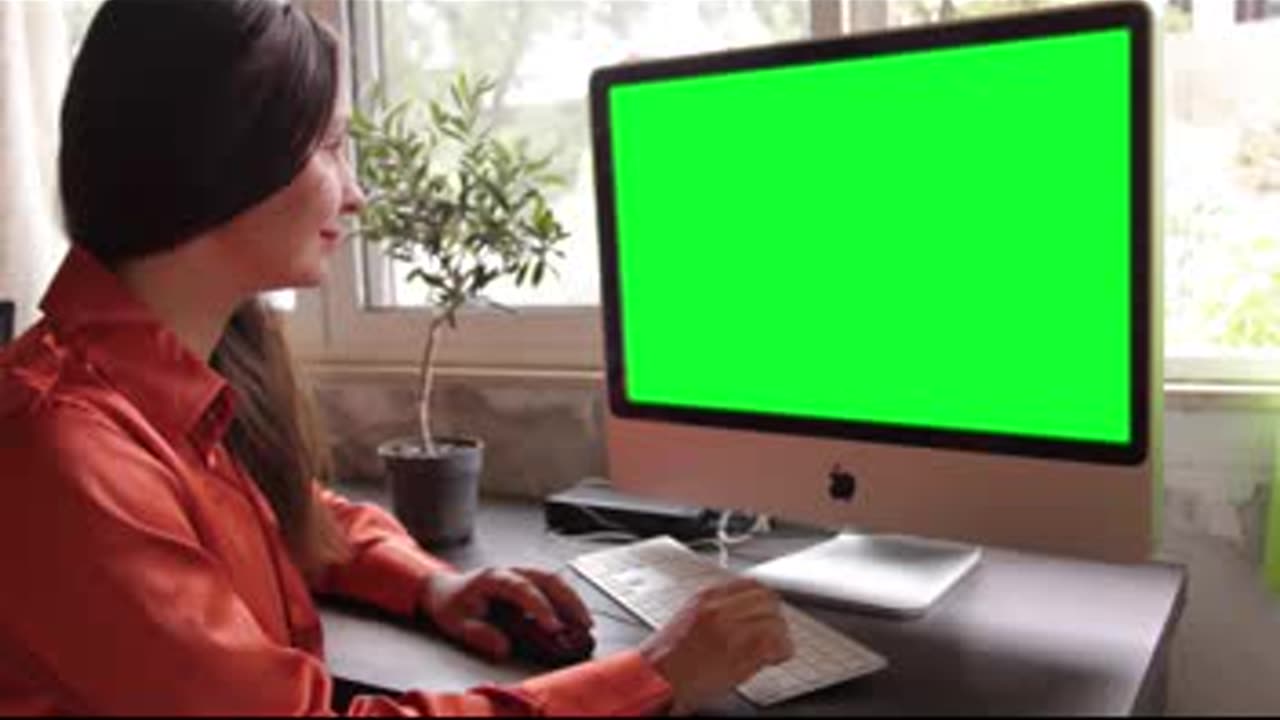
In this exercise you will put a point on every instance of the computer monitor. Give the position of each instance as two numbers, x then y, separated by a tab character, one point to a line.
902	282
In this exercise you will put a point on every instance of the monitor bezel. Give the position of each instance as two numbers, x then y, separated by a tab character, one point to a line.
1132	16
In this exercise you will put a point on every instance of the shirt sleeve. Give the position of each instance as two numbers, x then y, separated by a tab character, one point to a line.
623	685
115	608
386	568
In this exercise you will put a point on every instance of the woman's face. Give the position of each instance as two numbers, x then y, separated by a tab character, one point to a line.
287	240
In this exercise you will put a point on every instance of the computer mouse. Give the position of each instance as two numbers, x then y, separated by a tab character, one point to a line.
529	641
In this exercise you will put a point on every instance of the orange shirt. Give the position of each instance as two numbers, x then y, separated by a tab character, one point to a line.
143	572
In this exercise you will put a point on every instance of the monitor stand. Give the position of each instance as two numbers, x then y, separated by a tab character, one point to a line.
893	575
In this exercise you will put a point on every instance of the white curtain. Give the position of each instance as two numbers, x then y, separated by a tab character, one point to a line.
34	62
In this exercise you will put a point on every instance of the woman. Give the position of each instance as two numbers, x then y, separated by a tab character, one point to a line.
163	531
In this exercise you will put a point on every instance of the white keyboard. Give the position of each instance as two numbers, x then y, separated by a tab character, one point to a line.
652	578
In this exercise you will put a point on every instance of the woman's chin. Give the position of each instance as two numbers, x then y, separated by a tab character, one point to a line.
312	274
300	280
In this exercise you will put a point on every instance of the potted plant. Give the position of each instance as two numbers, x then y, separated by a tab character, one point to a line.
462	208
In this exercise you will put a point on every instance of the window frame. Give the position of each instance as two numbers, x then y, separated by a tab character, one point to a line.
331	325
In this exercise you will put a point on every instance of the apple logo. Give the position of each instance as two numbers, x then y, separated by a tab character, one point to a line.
843	484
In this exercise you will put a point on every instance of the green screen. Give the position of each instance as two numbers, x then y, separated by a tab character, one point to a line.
937	239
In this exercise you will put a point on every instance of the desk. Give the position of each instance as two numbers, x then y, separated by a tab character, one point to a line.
1021	635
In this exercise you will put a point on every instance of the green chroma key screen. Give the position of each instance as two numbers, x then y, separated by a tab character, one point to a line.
934	239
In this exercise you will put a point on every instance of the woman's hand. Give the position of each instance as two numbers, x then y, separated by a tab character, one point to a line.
457	604
718	639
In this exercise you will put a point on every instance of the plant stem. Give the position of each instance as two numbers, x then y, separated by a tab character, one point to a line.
426	377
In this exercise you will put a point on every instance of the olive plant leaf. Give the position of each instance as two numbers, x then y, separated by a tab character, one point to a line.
451	197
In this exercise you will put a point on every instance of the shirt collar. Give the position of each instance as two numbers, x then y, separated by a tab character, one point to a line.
95	313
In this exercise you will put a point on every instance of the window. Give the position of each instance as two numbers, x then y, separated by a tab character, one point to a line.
1221	140
1222	194
77	14
541	53
1221	170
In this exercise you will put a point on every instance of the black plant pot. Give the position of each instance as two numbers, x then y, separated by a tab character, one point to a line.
434	497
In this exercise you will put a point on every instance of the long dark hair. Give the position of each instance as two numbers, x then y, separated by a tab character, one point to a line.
179	115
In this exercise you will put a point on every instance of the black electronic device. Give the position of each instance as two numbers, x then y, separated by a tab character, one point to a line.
593	507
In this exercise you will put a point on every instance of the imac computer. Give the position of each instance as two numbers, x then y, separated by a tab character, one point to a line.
899	284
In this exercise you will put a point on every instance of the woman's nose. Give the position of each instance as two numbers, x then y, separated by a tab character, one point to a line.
352	196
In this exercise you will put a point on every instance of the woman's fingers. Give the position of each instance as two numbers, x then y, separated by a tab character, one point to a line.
563	597
760	643
749	601
484	638
519	591
719	638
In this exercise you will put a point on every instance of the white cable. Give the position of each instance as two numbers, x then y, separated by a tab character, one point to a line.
760	524
616	532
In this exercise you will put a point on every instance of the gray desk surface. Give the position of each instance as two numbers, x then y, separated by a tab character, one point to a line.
1022	634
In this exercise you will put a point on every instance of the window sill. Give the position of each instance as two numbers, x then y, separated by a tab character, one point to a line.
1193	396
330	370
1178	395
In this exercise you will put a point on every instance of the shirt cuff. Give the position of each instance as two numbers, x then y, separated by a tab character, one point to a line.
620	685
389	575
